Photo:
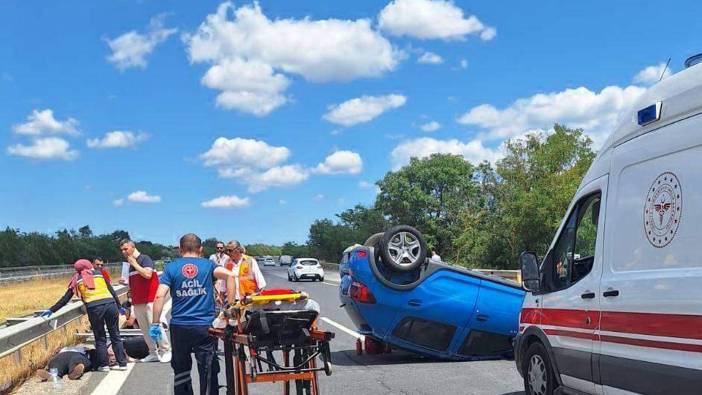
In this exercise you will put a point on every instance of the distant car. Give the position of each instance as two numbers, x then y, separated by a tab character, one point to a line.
302	268
268	261
397	297
285	260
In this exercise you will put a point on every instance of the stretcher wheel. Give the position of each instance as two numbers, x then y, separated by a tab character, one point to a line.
327	368
359	347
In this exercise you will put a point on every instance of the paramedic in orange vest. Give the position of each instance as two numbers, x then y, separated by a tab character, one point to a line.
249	277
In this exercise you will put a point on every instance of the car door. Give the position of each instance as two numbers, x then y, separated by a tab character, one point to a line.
570	296
651	326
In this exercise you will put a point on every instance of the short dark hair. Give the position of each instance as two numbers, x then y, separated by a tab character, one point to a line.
190	243
97	258
126	241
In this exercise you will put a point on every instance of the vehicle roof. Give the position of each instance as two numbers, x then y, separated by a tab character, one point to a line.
305	259
681	97
350	248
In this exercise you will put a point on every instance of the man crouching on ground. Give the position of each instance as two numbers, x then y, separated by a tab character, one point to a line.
189	280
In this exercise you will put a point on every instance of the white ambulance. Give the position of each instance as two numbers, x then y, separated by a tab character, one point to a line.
615	307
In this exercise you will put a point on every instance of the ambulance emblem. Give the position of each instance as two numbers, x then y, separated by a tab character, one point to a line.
189	271
663	210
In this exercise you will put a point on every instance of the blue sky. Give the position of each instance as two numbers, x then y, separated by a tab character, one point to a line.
250	120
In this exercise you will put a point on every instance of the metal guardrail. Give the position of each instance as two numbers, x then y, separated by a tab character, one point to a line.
24	273
14	337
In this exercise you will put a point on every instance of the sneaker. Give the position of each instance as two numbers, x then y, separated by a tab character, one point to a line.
76	372
103	369
150	358
119	368
165	357
43	375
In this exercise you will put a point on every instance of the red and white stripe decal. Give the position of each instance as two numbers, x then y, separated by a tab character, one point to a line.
679	332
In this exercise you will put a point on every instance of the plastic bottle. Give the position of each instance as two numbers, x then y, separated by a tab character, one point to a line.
56	382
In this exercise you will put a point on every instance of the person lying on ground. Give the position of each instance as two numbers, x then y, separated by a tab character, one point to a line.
71	361
103	309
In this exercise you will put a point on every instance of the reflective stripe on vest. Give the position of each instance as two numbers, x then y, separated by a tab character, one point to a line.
247	280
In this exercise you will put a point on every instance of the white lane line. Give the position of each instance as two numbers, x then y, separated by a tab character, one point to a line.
344	329
112	383
332	284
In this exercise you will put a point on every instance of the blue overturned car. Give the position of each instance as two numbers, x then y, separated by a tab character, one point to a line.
396	297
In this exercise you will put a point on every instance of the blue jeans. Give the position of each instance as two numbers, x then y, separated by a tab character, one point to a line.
106	315
194	339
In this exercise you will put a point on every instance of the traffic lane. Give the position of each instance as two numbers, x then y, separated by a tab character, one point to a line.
399	372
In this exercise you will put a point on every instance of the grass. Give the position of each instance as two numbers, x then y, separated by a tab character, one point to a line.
26	297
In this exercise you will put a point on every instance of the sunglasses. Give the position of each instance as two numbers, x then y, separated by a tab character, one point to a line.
220	248
232	250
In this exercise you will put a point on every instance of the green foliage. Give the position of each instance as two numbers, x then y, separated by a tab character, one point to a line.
295	250
527	194
430	194
259	249
67	246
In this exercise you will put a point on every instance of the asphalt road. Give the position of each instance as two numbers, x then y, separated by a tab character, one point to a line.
395	373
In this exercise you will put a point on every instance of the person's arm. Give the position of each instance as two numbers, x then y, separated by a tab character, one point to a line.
62	302
114	295
106	276
145	270
228	276
158	303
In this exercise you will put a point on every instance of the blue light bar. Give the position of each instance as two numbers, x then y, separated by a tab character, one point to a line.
650	114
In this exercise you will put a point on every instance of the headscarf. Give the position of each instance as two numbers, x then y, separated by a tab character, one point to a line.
84	270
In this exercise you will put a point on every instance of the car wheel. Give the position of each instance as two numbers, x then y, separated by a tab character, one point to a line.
374	240
321	279
403	248
538	371
289	278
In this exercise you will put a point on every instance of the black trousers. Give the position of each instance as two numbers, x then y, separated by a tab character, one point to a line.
106	315
65	361
187	340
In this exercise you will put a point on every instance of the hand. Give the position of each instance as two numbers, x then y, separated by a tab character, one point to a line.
132	261
46	314
155	332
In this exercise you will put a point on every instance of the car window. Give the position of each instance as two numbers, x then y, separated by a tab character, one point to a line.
308	262
572	256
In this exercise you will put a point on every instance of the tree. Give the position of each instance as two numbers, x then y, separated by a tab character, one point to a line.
295	250
430	194
328	240
526	196
85	231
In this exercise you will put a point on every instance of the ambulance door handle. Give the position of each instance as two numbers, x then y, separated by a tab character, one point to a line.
588	295
611	292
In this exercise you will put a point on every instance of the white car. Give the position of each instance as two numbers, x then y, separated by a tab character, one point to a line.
616	305
305	268
268	261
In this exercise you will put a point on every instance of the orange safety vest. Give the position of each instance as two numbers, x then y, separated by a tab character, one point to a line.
247	280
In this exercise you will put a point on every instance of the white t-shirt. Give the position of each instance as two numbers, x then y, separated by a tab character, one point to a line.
220	260
260	281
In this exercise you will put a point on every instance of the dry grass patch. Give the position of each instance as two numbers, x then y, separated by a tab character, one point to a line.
26	297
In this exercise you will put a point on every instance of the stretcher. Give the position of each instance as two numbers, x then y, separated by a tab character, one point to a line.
265	326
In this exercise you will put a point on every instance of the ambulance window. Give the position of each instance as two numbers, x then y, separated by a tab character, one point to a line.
573	255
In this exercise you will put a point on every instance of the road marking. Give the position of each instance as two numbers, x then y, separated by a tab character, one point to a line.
113	382
344	329
332	284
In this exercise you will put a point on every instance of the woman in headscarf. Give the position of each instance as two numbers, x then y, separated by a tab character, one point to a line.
103	309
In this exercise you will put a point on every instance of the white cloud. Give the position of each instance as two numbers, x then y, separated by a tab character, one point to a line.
41	122
249	51
341	162
431	19
363	184
143	197
319	197
282	202
651	74
244	153
430	58
252	87
131	48
432	126
363	109
595	112
48	148
117	139
118	202
474	151
279	176
464	64
231	201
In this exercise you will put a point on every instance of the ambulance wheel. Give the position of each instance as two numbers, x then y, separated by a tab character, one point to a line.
539	378
359	347
403	248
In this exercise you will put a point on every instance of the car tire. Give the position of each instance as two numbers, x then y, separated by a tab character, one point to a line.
374	240
403	248
539	378
321	279
289	278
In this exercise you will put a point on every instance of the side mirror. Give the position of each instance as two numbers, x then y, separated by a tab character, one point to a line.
529	265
